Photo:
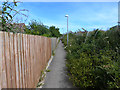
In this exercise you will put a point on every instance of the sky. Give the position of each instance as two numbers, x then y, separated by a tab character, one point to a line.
65	0
87	15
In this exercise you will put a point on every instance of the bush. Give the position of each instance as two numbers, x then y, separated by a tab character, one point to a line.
94	61
37	28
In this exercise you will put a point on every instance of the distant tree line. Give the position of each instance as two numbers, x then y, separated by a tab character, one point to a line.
37	28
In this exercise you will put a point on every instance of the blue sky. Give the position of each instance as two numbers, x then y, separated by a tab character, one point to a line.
88	15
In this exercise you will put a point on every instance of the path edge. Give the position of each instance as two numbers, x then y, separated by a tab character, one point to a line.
48	64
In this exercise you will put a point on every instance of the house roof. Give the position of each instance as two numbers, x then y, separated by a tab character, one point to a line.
20	25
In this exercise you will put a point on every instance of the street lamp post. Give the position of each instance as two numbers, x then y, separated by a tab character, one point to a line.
118	26
67	30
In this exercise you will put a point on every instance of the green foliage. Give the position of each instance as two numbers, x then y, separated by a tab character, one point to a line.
7	17
54	31
8	12
36	28
48	70
94	61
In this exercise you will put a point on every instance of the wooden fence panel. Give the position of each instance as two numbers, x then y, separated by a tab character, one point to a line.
0	59
1	49
22	58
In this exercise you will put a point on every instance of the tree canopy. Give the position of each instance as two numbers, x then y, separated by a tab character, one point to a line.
38	28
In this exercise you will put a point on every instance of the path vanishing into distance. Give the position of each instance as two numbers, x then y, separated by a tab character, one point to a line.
57	77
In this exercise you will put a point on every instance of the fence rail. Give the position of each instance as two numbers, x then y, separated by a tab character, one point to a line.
22	58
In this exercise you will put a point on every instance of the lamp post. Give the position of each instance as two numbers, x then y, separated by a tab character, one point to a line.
67	29
118	26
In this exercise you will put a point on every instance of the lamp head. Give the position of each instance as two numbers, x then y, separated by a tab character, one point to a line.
66	15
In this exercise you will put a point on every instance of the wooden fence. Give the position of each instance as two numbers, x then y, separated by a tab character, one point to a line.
22	58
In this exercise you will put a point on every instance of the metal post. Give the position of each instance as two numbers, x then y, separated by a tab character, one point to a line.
118	15
67	32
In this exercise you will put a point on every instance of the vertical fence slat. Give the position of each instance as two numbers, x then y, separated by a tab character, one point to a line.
23	61
12	60
17	60
4	72
1	53
0	60
15	57
22	52
21	55
24	38
32	59
8	61
29	85
26	61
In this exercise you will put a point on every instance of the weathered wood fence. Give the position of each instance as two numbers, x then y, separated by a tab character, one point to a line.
22	58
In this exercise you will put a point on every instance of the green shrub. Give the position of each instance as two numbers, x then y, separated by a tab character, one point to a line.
94	61
90	71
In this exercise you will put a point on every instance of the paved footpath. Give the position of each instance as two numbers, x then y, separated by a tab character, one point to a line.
57	77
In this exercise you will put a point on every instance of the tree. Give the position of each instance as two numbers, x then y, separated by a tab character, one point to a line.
7	8
38	28
54	31
8	14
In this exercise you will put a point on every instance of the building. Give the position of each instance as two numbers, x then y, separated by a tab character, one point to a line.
19	27
16	27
